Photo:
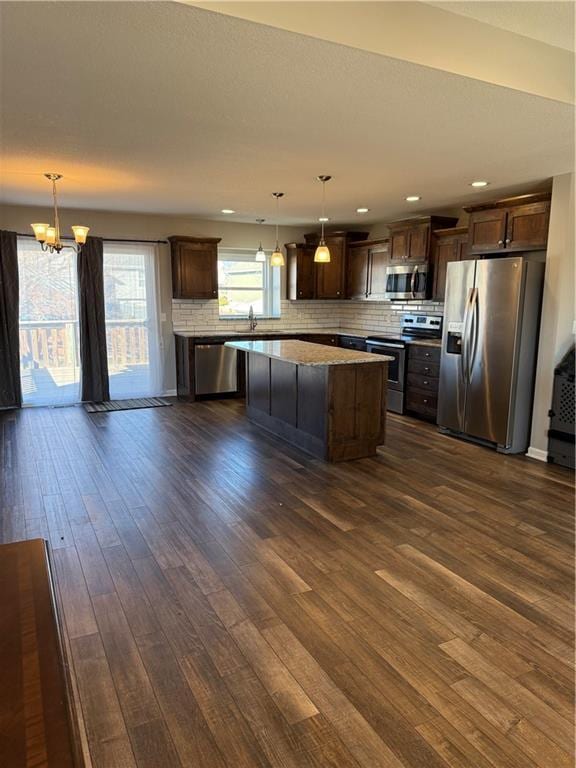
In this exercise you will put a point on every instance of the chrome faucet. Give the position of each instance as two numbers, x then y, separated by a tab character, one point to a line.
252	319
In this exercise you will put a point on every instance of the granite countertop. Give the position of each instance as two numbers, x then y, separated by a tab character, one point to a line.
283	332
305	353
359	334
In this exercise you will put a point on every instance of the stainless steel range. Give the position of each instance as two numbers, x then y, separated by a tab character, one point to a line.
413	327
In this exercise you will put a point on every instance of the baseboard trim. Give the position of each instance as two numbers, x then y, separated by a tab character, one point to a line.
537	453
169	393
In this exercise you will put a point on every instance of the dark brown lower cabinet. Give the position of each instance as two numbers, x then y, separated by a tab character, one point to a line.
331	340
422	380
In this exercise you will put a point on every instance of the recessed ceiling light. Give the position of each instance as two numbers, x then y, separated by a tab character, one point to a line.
323	219
362	210
228	210
413	198
479	183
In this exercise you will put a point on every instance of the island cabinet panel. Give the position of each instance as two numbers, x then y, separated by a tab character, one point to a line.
259	383
312	381
194	267
283	391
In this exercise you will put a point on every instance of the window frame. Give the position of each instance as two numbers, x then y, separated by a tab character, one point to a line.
270	283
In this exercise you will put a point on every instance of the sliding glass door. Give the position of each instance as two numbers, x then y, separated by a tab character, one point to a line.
132	330
49	353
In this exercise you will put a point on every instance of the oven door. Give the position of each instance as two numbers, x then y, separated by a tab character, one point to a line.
406	282
396	371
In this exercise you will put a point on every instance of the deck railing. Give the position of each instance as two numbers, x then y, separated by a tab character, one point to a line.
54	343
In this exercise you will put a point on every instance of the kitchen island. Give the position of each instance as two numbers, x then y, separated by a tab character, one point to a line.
329	401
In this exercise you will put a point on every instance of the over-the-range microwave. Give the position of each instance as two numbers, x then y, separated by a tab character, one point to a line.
407	281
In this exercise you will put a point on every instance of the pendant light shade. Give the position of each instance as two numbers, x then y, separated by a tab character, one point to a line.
322	255
277	258
260	253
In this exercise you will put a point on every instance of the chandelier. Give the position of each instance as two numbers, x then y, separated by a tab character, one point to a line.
49	236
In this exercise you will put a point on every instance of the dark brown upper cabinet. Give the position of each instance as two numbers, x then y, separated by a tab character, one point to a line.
448	245
410	239
331	277
194	267
357	272
308	280
514	224
366	269
301	272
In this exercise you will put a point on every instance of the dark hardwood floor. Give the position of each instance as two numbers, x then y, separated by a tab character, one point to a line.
230	602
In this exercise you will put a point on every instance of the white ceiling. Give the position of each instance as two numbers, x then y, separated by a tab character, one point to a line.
159	107
550	22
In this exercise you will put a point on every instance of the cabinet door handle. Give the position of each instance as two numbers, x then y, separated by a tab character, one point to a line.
427	354
426	383
337	293
426	370
500	242
425	400
508	241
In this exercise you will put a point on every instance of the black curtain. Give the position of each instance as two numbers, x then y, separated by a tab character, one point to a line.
93	357
10	387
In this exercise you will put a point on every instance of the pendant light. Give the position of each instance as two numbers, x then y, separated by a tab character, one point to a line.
322	255
49	236
260	253
277	258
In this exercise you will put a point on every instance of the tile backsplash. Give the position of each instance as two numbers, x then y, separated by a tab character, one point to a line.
378	316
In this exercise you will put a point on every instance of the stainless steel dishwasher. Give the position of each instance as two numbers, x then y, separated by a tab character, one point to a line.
215	369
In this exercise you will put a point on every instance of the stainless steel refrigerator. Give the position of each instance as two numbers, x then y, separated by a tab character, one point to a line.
489	345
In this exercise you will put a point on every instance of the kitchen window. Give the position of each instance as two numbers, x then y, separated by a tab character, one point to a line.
244	282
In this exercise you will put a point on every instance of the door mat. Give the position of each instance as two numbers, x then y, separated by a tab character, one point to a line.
126	405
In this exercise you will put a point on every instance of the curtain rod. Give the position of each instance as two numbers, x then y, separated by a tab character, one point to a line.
107	239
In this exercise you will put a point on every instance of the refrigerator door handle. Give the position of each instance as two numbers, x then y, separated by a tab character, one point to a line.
465	354
474	331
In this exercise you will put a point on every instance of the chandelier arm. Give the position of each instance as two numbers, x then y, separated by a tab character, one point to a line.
56	217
